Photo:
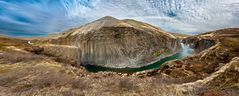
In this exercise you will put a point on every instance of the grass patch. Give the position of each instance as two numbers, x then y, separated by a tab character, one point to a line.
156	54
127	84
3	46
26	77
80	84
15	57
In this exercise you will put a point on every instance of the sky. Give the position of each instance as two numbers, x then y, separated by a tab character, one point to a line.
43	17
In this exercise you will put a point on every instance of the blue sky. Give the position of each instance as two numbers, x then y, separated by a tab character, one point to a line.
43	17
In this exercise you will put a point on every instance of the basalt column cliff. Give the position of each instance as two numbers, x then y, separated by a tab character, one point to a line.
109	42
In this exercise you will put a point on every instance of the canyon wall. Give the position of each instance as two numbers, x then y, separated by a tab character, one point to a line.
109	42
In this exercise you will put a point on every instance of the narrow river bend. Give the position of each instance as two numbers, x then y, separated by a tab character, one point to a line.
186	51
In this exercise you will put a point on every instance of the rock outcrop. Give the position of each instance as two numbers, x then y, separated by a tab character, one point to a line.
206	40
208	60
109	42
226	77
223	82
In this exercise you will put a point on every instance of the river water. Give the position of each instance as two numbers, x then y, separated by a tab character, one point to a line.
186	51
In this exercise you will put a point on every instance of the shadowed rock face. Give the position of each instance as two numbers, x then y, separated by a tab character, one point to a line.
109	42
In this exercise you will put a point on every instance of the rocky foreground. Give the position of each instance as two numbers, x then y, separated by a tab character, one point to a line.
213	71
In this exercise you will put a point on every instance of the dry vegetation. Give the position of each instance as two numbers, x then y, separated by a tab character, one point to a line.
15	57
47	79
27	74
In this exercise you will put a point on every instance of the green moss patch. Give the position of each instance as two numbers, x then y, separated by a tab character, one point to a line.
156	54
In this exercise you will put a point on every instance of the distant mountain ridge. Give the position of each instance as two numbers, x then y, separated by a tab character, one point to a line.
109	21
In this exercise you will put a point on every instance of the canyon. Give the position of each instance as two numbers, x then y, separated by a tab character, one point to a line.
109	42
55	65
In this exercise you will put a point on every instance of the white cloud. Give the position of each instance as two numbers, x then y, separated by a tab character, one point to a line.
188	16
